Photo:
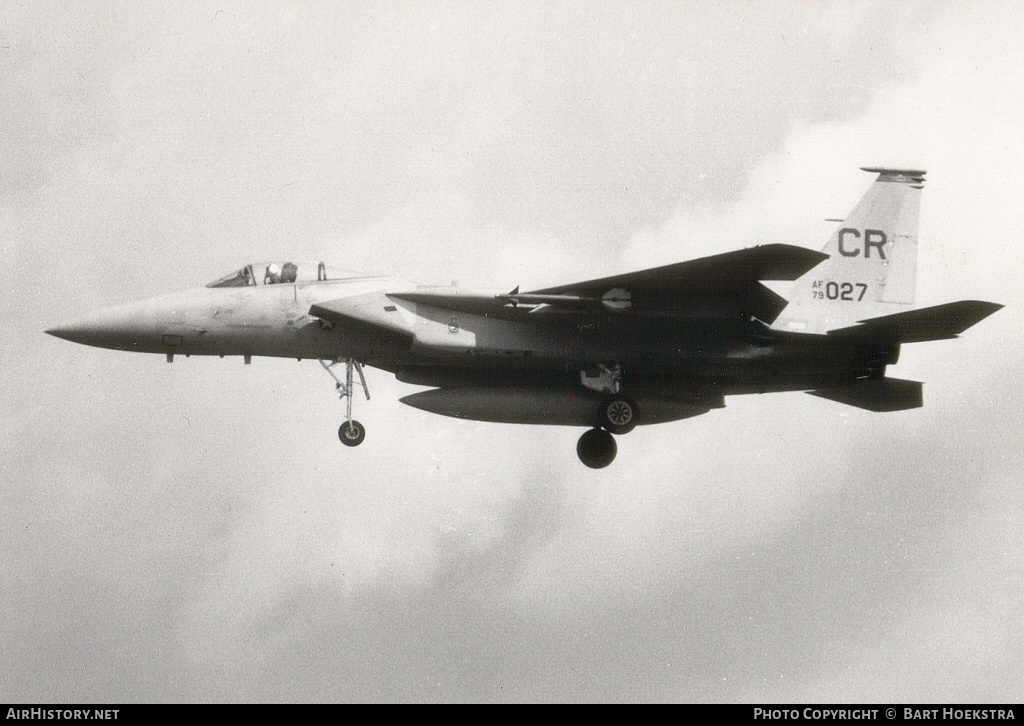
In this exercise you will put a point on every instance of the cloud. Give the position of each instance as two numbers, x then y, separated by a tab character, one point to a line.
194	532
56	99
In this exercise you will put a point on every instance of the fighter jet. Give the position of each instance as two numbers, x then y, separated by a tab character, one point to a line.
645	347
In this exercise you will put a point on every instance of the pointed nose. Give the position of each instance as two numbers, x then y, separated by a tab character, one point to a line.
91	330
122	328
79	331
67	332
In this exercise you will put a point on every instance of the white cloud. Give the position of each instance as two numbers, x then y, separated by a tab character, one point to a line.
783	540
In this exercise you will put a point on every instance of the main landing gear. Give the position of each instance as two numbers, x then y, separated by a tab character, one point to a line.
617	414
351	433
596	448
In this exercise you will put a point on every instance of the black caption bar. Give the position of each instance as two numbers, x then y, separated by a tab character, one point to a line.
882	713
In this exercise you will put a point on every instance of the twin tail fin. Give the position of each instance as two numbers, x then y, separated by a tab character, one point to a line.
872	266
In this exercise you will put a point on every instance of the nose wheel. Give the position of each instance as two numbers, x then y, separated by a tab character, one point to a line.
351	433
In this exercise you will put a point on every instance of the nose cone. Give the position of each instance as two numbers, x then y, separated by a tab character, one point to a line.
121	328
67	332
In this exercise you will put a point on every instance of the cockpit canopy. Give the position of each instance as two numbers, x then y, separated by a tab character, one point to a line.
274	273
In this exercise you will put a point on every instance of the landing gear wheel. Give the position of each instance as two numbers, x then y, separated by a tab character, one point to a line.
596	448
619	414
351	433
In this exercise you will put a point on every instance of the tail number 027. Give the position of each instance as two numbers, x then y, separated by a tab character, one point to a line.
843	291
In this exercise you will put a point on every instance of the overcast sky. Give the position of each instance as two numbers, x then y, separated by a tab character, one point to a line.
195	532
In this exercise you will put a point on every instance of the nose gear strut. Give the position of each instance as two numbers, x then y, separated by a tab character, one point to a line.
351	432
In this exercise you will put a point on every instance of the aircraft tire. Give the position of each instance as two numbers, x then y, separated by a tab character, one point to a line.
596	448
353	436
619	414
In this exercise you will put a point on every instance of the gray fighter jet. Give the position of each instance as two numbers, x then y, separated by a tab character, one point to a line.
643	347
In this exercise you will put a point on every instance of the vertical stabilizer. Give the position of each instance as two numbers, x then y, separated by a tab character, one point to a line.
872	265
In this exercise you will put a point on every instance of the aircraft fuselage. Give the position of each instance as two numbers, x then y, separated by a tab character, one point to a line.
729	353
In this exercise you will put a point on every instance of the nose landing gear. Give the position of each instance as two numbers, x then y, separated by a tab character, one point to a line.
351	433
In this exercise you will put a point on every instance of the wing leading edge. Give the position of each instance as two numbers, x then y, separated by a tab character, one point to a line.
726	272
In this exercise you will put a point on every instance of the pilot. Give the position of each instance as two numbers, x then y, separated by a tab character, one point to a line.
289	272
272	275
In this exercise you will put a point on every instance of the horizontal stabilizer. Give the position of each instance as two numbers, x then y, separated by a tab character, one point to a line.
880	395
940	322
906	176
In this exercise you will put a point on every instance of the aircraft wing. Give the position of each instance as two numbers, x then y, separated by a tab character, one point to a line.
729	282
701	284
718	285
